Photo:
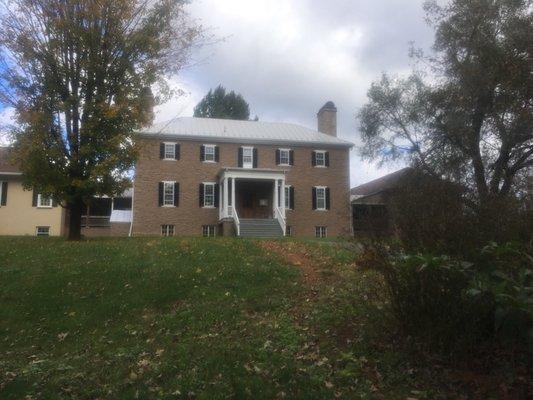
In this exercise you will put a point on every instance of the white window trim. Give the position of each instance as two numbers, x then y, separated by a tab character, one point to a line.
323	152
173	193
37	230
40	201
211	146
165	158
288	164
251	163
317	188
214	191
288	197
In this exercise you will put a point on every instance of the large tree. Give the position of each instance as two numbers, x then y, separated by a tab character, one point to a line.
83	76
219	104
469	116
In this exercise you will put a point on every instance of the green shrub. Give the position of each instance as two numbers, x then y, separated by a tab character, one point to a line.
454	306
505	275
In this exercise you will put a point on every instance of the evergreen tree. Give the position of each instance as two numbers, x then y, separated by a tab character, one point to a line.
219	104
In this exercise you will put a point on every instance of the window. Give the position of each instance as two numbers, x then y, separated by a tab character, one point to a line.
284	157
288	230
209	230
168	193
320	198
43	201
42	231
167	230
209	194
247	157
320	158
170	151
209	153
321	231
288	197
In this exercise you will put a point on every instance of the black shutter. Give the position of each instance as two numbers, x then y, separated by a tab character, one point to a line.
291	157
202	153
177	152
291	197
326	158
4	193
277	156
34	199
54	203
201	195
239	157
161	191
327	198
217	153
314	198
161	150
255	158
217	194
176	194
313	159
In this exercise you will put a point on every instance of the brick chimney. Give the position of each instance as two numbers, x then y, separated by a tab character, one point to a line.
327	119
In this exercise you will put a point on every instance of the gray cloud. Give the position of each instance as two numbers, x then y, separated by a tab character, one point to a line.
288	57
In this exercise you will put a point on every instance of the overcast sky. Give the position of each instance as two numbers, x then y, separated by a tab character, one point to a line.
288	57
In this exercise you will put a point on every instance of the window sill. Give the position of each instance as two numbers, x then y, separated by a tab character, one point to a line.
168	206
284	165
211	207
320	166
321	209
209	162
170	159
44	207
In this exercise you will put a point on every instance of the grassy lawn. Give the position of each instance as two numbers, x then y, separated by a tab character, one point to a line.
197	318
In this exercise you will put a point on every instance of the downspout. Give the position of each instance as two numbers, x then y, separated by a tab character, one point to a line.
132	198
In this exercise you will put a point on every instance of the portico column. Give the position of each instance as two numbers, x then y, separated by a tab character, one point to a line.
276	201
225	197
233	203
282	190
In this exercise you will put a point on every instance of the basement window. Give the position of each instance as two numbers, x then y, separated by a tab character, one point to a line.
42	231
321	231
167	230
209	230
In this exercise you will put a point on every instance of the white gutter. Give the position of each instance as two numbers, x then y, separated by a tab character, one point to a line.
132	198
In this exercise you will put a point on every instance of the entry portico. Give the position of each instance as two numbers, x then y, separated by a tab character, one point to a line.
252	194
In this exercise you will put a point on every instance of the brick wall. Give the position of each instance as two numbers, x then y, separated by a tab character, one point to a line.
189	171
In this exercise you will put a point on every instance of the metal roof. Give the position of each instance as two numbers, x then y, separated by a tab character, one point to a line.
228	130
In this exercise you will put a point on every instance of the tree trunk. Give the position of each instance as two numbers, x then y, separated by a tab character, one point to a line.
75	209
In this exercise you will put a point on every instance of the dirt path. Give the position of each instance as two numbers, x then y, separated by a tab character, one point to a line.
298	255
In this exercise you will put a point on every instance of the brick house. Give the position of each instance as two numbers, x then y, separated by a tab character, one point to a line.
197	176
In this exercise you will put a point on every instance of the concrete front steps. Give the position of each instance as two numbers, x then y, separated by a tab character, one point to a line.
260	228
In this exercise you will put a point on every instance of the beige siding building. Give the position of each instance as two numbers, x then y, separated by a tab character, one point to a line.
23	212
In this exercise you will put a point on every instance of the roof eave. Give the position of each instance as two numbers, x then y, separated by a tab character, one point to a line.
217	139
